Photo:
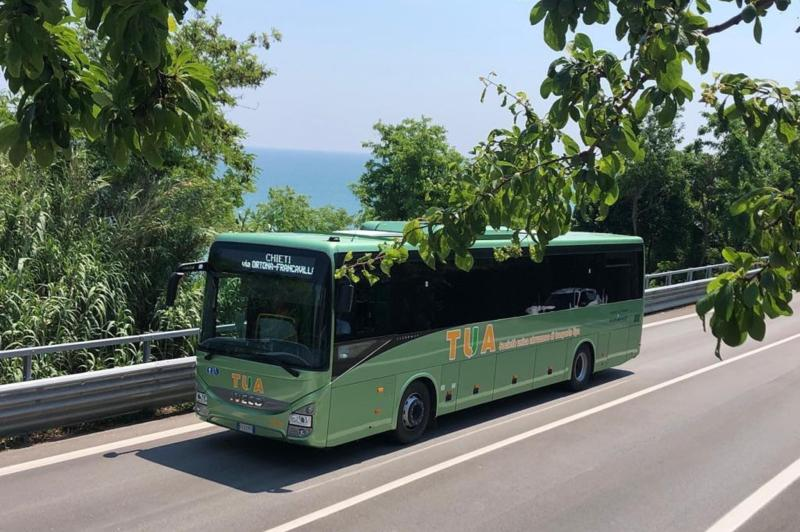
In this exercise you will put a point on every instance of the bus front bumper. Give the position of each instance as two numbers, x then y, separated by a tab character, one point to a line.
299	425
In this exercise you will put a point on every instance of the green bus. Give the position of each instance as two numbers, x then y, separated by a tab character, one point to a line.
288	352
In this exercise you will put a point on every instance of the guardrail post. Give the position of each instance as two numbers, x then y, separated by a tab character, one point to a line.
27	367
146	350
669	279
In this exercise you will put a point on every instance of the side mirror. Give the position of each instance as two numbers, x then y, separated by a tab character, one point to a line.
177	276
344	297
172	287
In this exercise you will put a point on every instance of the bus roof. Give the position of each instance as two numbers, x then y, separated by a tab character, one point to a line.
370	234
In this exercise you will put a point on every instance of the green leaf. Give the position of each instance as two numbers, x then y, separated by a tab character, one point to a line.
583	42
643	106
44	154
723	304
703	6
546	88
667	112
464	262
14	59
730	255
537	13
701	57
757	328
757	30
739	206
749	13
18	152
151	152
705	304
668	79
9	134
570	146
750	294
555	32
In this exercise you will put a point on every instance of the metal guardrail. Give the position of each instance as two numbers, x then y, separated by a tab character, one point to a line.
687	274
27	353
57	401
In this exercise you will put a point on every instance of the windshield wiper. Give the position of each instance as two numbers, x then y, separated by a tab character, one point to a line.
289	369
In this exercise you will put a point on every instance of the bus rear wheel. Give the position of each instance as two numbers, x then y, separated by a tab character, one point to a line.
413	413
581	369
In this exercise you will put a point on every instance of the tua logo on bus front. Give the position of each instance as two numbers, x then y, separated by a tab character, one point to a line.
246	383
471	341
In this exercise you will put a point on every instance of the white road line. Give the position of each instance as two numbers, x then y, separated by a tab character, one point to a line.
758	500
98	449
413	477
463	434
670	320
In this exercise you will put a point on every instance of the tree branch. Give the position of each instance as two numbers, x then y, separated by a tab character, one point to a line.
733	21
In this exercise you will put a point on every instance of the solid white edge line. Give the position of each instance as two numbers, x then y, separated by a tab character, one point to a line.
98	449
758	500
428	471
670	320
461	434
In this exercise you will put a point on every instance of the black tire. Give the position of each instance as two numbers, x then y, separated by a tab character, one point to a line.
413	413
582	368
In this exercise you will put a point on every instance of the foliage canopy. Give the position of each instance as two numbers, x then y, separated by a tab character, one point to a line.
412	168
533	176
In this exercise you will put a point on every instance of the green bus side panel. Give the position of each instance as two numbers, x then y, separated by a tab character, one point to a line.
551	364
476	381
358	409
523	351
362	409
448	388
514	372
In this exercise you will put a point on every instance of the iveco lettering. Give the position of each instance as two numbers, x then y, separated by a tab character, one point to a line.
289	352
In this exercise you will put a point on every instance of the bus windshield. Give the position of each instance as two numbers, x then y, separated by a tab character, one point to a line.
268	306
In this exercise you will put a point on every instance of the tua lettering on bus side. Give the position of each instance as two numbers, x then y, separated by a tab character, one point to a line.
471	341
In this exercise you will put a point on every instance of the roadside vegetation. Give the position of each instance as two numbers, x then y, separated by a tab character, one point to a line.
118	163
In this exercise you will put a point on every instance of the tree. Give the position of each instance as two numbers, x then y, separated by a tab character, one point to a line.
152	93
532	176
411	170
653	201
286	210
86	245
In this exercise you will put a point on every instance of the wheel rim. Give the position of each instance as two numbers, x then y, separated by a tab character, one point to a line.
581	366
413	411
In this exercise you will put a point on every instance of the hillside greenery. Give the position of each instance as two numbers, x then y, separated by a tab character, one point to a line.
86	243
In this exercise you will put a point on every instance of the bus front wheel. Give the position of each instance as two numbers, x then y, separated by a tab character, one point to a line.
413	413
581	368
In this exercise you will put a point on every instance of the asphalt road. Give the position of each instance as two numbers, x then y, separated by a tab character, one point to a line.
672	440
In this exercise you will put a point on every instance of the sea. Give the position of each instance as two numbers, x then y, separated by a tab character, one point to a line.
324	176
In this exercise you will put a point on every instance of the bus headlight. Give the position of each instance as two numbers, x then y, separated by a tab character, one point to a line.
301	421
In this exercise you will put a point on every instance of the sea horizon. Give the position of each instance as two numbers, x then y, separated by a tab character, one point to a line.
322	175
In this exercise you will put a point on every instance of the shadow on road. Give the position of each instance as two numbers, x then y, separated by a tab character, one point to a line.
258	465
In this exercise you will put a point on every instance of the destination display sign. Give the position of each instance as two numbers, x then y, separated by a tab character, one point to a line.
280	261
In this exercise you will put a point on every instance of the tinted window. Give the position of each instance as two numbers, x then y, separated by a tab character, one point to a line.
417	299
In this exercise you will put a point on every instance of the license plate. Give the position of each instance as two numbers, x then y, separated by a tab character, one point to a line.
246	427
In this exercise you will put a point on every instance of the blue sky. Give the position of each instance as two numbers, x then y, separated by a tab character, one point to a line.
343	65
